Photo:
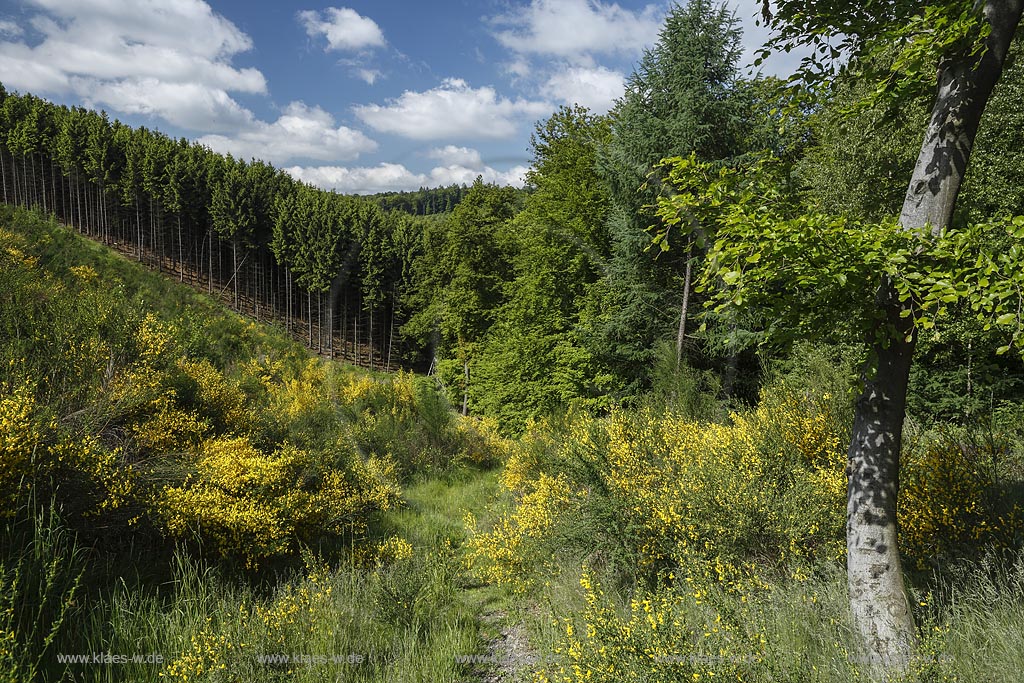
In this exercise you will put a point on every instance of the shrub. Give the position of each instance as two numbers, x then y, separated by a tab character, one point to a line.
649	493
950	502
258	505
768	488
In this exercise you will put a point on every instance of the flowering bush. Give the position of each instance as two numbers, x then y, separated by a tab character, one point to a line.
405	417
723	503
949	501
767	488
20	436
258	505
506	552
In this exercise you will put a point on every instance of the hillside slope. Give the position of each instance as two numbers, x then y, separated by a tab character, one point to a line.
148	434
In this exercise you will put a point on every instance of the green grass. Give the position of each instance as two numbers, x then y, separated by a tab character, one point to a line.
408	619
970	624
207	328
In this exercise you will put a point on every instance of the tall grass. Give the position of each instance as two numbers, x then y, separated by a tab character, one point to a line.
970	623
399	622
384	618
41	570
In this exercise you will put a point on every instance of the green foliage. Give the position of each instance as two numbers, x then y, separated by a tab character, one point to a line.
800	270
994	186
685	97
350	620
250	447
535	359
460	277
859	162
678	631
684	390
416	592
422	202
232	207
838	34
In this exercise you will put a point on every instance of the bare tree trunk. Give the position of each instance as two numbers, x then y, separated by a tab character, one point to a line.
78	203
878	601
234	268
181	259
3	175
391	333
288	299
53	190
35	185
138	230
465	388
681	336
257	288
210	257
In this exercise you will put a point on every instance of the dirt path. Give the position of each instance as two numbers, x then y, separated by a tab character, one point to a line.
512	656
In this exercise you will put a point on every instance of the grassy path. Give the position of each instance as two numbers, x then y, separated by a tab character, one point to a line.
433	516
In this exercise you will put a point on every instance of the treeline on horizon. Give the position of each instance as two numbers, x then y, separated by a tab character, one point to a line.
525	303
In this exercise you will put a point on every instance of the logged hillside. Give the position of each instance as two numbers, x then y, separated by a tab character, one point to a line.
138	416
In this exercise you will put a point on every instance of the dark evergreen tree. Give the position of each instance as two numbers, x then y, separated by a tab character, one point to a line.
684	97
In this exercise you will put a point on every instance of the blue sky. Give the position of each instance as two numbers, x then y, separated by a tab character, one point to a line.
356	96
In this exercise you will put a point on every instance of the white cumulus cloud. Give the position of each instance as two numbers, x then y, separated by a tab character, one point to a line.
388	177
369	76
344	28
595	88
9	28
301	132
453	110
575	29
457	156
167	58
186	105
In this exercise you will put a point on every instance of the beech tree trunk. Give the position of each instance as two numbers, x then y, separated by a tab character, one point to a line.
878	602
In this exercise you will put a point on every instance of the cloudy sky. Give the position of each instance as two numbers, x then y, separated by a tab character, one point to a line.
361	97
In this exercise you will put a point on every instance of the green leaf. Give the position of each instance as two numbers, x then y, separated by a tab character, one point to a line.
1006	319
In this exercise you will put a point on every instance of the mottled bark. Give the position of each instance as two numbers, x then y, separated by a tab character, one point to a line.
878	601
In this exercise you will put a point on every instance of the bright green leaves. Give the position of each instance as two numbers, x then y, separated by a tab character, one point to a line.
939	31
731	277
965	268
1017	227
812	273
847	35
